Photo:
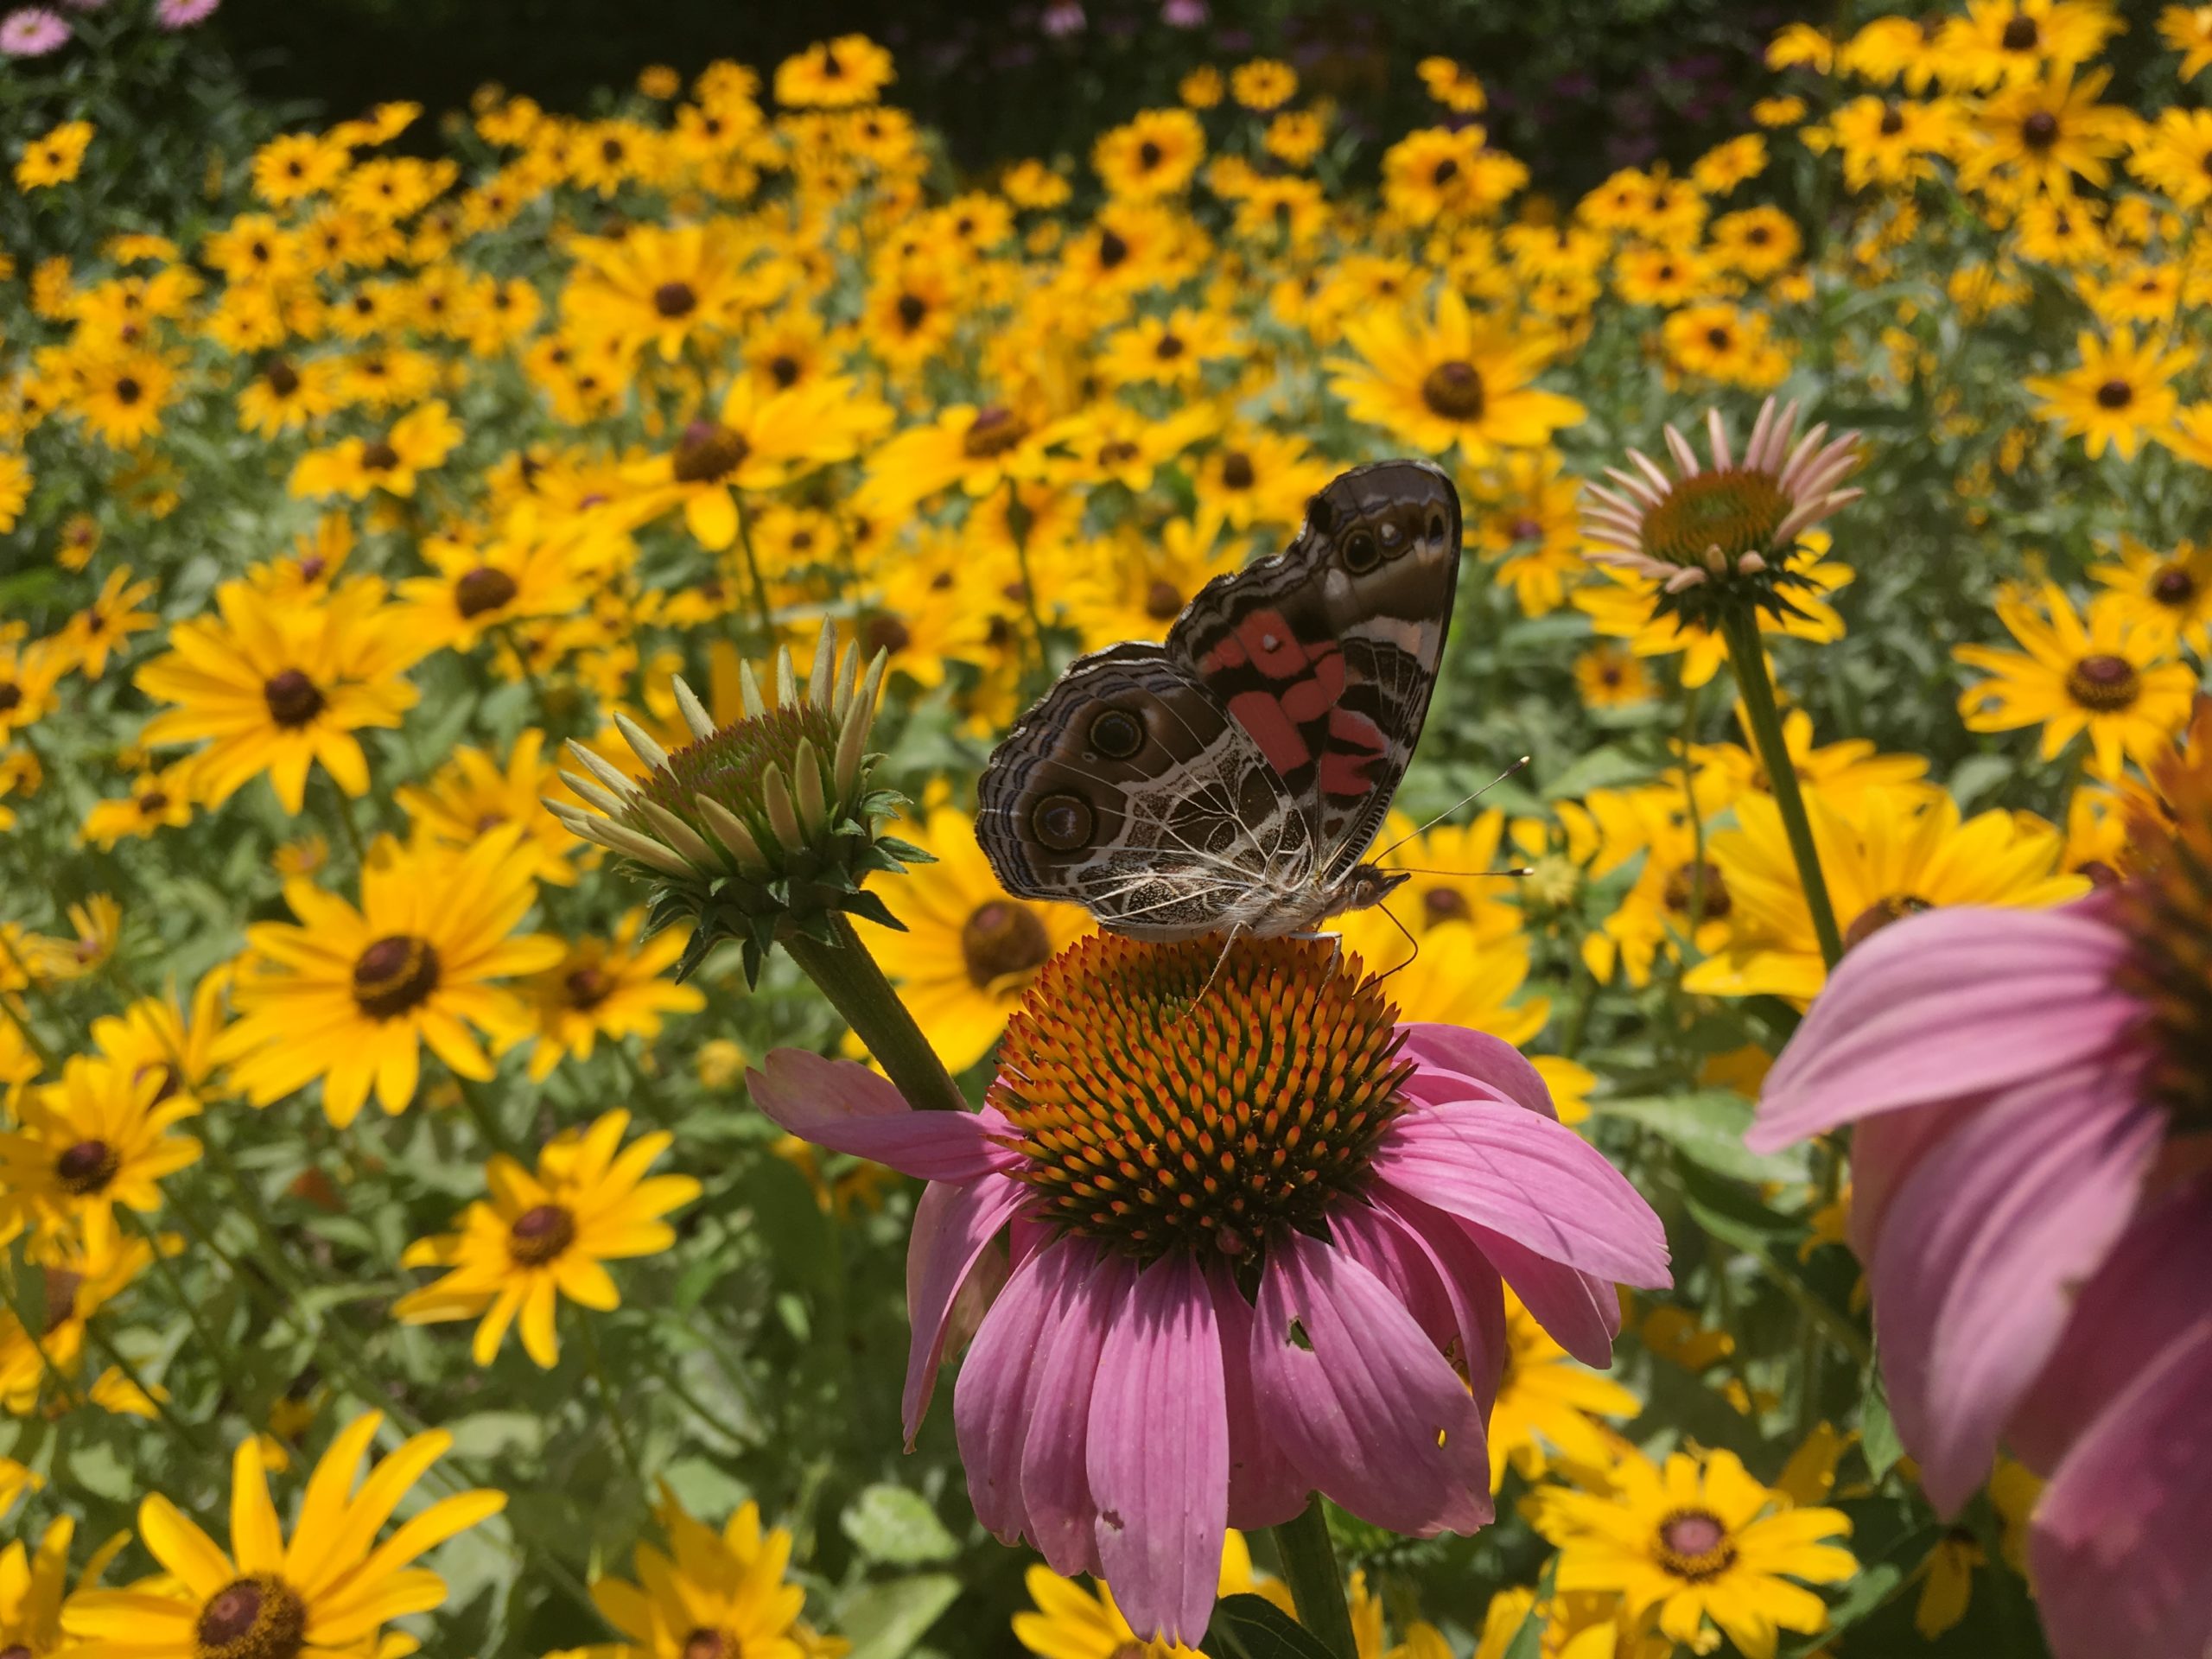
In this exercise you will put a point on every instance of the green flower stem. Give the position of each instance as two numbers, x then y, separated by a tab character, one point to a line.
1747	656
1309	1566
848	976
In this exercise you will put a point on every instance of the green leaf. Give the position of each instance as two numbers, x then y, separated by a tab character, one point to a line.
1528	1641
1877	1431
891	1523
884	1621
1706	1126
1730	1213
1252	1627
1605	767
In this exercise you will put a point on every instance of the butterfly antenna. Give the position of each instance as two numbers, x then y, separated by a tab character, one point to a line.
1448	811
1410	939
1417	869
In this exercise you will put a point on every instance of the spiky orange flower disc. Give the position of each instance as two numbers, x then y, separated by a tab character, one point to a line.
2168	910
1161	1111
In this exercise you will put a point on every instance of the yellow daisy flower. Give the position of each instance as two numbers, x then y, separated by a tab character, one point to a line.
473	793
1072	1621
2106	675
1697	1538
1458	380
2118	392
100	1137
105	627
1547	1402
56	157
350	996
76	1279
330	1588
609	988
416	442
540	1237
2165	594
712	1593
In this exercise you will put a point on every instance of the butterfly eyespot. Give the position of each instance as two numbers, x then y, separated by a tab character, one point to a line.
1320	517
1435	526
1361	555
1117	734
1063	823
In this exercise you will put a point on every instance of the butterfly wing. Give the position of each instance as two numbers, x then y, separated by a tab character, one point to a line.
1326	653
1130	791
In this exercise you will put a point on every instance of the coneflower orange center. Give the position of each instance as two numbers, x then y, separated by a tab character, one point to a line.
1738	511
1176	1097
256	1618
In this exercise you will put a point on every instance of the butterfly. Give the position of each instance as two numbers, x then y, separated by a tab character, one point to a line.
1233	777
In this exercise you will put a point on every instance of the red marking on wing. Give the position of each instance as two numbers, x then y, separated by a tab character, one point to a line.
1315	694
1226	654
1356	743
1272	646
1275	732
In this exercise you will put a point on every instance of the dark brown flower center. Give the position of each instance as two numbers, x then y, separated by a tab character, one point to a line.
540	1234
707	451
154	800
1446	170
128	391
1891	907
61	1288
999	939
1148	155
86	1167
398	972
1169	347
1892	121
1694	1545
283	379
783	369
1445	904
380	456
2019	36
2115	394
886	632
674	299
1153	1117
293	699
1112	250
992	432
589	987
1700	885
1454	390
259	1618
2104	684
911	308
1236	470
2039	130
2173	586
483	589
11	697
1163	602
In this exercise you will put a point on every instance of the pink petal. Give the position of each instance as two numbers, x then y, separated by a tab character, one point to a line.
1982	1254
1884	1151
1477	1054
997	1386
1583	1313
844	1106
1954	1001
1361	1398
1469	1284
1159	1453
1533	1181
1264	1490
2157	1280
953	1223
1055	1464
2121	1549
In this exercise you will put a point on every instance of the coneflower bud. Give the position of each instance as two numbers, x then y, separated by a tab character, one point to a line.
761	829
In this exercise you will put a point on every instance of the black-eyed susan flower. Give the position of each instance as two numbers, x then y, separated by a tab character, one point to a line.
164	1036
1155	154
34	1582
723	1594
1456	379
101	1136
2188	30
104	628
2121	390
1695	1538
2164	592
75	1279
2044	133
1609	678
155	801
760	828
267	687
610	988
968	951
834	74
414	444
474	791
526	571
54	157
1068	1620
330	1588
2106	675
2001	42
351	996
540	1237
28	673
1549	1406
1722	534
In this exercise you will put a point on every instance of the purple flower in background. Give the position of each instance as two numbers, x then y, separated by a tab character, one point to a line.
184	14
1184	13
32	32
1063	18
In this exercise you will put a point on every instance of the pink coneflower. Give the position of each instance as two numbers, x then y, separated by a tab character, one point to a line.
184	14
1728	527
2033	1092
32	32
1255	1231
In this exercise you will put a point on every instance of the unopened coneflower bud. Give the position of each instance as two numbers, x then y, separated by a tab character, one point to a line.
759	829
1724	532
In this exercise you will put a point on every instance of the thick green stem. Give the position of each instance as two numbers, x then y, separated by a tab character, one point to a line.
1309	1565
1748	657
848	976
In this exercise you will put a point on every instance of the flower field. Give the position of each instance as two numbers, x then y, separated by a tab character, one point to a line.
533	1125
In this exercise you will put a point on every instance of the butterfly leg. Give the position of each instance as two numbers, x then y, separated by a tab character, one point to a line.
1228	943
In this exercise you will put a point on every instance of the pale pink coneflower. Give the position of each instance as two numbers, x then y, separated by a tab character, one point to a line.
32	32
2032	1196
1723	528
184	14
1255	1231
